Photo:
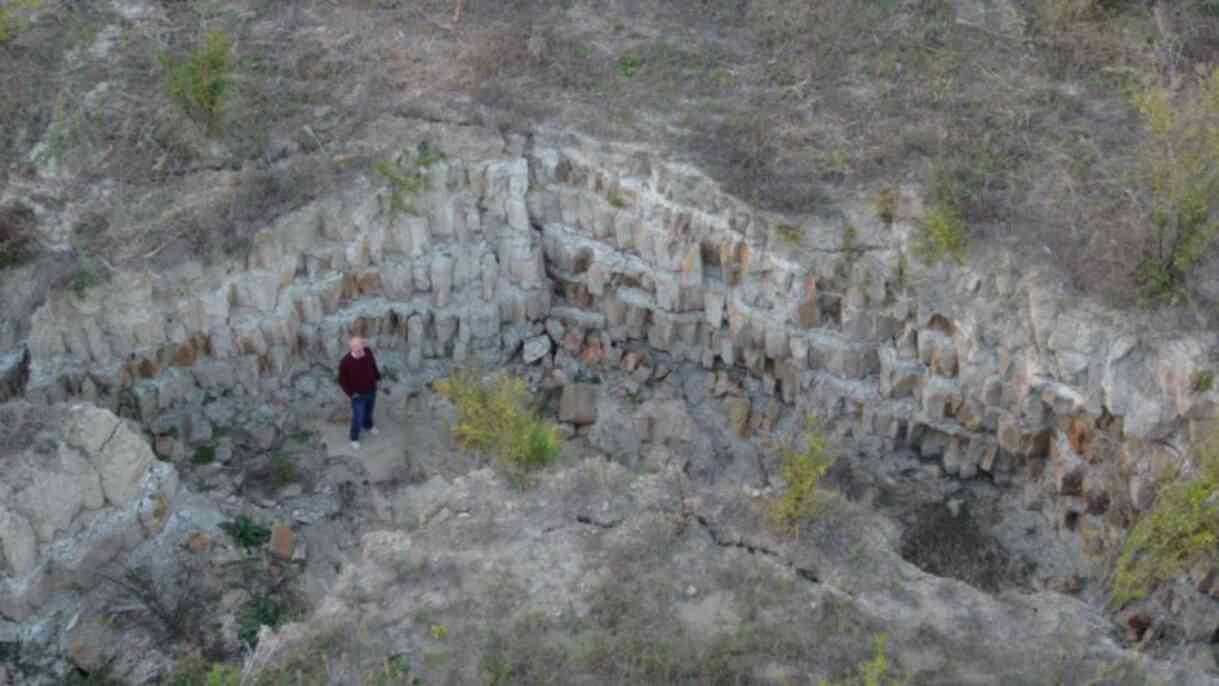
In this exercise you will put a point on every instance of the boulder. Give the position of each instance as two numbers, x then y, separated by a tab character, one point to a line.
283	541
535	349
578	404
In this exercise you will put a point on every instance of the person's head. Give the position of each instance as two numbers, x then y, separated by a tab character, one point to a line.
357	346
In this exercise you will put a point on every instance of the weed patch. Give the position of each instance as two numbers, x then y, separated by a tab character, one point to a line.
942	234
259	612
13	18
204	454
246	532
802	468
404	178
1181	530
283	471
199	83
498	417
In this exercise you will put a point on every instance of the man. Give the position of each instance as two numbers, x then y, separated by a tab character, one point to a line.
358	376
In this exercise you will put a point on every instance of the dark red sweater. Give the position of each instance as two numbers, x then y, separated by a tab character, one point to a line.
358	375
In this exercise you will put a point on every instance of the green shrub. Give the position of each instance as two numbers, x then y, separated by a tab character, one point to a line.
246	532
498	417
872	672
1180	531
260	612
789	233
628	64
1203	380
197	671
1178	166
885	204
404	177
12	18
942	235
283	472
616	200
204	454
802	469
200	82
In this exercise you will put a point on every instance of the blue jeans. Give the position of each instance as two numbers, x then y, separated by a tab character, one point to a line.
362	405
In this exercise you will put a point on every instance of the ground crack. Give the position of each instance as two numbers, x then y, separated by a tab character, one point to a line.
754	549
585	519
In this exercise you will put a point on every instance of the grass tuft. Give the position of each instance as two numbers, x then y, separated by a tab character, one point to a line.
200	82
1180	532
246	532
13	20
498	417
802	469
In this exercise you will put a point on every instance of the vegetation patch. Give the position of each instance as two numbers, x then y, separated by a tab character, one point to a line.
404	178
1202	380
199	82
1180	531
259	612
246	532
941	235
283	471
499	417
204	454
789	233
802	467
16	235
1179	168
13	18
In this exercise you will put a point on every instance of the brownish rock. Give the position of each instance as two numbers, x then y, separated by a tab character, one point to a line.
283	541
197	541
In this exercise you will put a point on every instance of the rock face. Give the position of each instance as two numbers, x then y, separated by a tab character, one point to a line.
79	490
989	369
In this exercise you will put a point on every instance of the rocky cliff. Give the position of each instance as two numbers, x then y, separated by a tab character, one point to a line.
988	369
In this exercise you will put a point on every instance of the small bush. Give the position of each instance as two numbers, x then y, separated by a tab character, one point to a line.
628	64
802	469
404	177
498	417
885	204
789	233
199	83
1180	531
204	454
246	532
260	612
616	200
942	235
872	672
283	472
1203	380
12	18
196	671
1178	167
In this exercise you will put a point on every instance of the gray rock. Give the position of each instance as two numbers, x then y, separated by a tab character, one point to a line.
535	349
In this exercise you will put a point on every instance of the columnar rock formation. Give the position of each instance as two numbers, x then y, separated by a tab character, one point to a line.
987	367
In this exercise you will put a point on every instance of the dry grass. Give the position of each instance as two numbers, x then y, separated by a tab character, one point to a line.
789	104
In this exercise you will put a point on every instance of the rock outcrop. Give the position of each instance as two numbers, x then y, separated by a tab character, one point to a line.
989	369
81	495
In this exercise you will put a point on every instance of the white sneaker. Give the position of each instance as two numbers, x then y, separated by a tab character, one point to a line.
374	431
355	445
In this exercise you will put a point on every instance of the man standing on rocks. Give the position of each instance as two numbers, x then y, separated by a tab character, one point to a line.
358	376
